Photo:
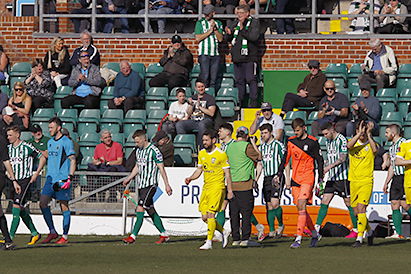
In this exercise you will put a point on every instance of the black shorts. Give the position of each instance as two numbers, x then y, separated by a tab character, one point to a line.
270	191
340	188
21	198
146	195
397	188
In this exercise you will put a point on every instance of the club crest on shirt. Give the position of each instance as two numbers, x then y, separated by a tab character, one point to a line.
305	148
213	160
366	148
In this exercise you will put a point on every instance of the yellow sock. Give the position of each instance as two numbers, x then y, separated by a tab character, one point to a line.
211	224
362	223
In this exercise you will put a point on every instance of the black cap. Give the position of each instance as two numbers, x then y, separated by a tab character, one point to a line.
314	63
366	86
176	39
35	128
159	135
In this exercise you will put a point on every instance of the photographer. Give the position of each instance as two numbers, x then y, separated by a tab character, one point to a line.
366	108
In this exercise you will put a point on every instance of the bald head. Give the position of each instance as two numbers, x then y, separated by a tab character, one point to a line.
329	88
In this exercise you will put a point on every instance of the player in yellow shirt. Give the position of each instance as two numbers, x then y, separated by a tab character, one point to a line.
362	149
214	163
403	158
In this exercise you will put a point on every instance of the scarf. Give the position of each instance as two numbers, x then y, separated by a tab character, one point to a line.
244	44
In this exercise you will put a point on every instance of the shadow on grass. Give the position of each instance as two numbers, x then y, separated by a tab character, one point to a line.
17	248
96	241
390	242
192	239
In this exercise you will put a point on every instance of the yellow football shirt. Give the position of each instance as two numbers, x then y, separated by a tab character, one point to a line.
213	165
361	163
405	153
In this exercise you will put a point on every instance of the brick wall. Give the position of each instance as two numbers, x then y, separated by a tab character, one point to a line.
16	35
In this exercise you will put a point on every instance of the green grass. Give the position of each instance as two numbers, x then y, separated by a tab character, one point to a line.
106	254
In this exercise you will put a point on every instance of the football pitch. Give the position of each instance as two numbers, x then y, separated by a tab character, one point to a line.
107	254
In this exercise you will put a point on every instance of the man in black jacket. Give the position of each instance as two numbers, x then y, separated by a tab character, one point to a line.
244	36
177	62
87	41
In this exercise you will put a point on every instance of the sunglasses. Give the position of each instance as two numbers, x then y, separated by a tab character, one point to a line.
329	88
265	110
311	67
84	56
18	89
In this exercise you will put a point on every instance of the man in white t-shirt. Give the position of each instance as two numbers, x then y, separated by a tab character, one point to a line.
268	117
178	111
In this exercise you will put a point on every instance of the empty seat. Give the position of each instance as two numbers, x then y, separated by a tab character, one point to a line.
228	94
195	72
113	66
89	115
355	71
291	115
389	118
227	83
404	71
227	108
185	140
42	115
68	115
153	70
108	93
89	139
337	71
183	156
20	69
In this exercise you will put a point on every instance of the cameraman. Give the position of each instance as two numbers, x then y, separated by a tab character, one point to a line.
366	108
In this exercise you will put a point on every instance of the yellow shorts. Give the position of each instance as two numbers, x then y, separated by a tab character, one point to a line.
407	191
211	200
360	193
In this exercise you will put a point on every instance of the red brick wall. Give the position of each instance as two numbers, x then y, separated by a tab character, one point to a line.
16	35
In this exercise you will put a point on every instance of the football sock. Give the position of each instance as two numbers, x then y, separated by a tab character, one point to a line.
353	218
211	225
298	238
270	219
221	217
362	223
66	222
25	216
302	220
279	215
4	229
15	222
139	223
49	219
321	214
397	219
157	222
254	220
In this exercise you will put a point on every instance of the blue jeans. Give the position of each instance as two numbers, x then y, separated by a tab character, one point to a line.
108	27
209	66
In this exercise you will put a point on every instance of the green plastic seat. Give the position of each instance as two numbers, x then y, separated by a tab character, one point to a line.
337	71
404	71
44	127
291	115
89	139
344	91
405	95
85	161
403	108
89	115
230	94
86	127
151	130
118	137
87	151
155	116
288	130
227	108
112	115
227	83
69	126
407	132
387	94
173	93
20	69
389	118
407	121
113	127
62	92
108	93
42	115
113	66
183	156
153	70
312	117
15	79
25	135
68	115
403	83
339	82
323	142
155	105
131	128
103	106
228	70
355	71
195	72
135	116
185	140
388	106
140	68
5	89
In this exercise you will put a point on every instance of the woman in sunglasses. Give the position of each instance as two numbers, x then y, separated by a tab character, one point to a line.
20	102
40	86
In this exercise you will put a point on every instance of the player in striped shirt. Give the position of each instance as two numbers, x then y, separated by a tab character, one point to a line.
149	161
21	156
395	175
337	183
272	152
208	33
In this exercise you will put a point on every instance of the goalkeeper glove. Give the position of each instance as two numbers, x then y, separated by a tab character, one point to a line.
67	184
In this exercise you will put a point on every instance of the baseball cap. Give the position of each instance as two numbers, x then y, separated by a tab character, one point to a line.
176	39
7	111
365	85
314	63
36	128
243	129
207	9
266	105
159	135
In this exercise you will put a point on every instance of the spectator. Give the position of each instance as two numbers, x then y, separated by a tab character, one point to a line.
177	62
365	108
309	92
269	117
38	140
57	62
244	36
115	7
108	156
160	7
393	24
76	146
9	118
209	33
178	111
4	63
226	6
166	147
81	24
284	25
128	89
334	108
20	102
201	117
87	41
39	86
380	65
86	80
362	7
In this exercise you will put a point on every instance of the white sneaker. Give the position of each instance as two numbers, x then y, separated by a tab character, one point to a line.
236	243
395	236
279	231
272	234
207	245
218	237
225	235
260	229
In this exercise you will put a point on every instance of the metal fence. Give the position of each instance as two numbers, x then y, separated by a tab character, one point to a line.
312	17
